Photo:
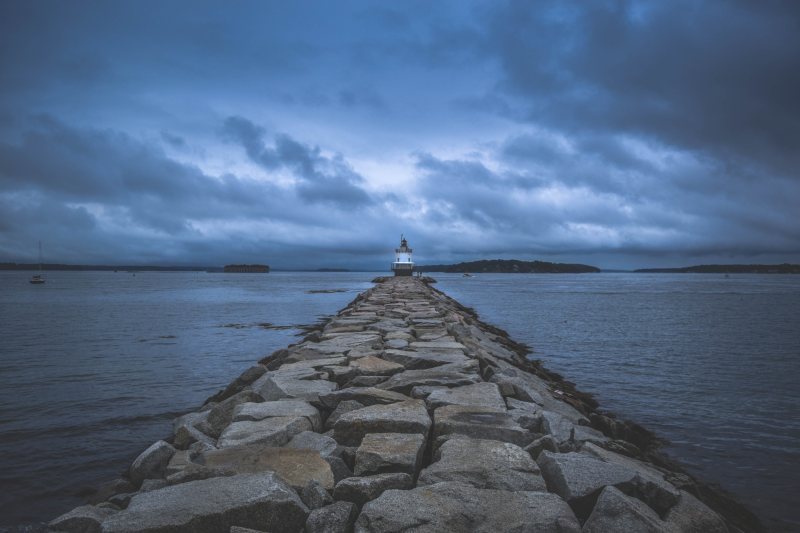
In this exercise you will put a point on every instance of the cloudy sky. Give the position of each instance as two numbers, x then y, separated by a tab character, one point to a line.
310	134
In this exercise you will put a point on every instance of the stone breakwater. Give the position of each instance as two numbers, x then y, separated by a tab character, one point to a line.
402	412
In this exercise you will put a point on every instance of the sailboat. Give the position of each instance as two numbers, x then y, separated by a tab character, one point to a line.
38	279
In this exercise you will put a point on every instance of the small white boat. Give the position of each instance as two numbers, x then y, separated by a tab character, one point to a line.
38	279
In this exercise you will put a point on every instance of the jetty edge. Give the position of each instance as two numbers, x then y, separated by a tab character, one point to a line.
404	412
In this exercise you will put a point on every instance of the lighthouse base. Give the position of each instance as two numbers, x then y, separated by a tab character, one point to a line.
402	270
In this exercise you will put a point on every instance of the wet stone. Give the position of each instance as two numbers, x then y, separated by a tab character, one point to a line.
396	343
375	366
84	519
310	440
360	490
151	463
260	501
409	416
366	381
296	466
478	395
485	464
315	496
416	360
690	515
479	422
449	375
275	388
275	431
616	512
562	429
365	396
341	408
336	518
279	408
455	506
578	478
389	452
220	416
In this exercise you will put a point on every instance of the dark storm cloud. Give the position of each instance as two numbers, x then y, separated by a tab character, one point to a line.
110	168
615	128
323	179
717	77
71	177
106	195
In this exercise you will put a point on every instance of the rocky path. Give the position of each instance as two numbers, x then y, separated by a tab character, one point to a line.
403	413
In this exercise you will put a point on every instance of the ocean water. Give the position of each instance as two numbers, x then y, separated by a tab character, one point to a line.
709	363
94	365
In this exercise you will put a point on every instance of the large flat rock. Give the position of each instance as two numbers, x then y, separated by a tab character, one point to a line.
364	395
574	476
409	416
484	464
311	440
277	388
477	395
438	345
389	452
480	423
449	375
648	484
259	501
579	478
616	512
453	507
360	490
415	360
274	431
314	363
343	343
296	466
375	366
293	408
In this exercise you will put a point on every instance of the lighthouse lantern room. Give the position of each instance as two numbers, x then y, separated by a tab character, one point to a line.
403	265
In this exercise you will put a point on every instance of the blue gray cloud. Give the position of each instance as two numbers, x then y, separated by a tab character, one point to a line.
621	133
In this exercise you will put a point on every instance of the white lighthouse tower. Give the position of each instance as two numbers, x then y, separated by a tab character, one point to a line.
403	265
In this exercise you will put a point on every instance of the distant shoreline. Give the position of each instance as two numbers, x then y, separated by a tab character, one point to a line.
510	266
471	267
55	267
784	268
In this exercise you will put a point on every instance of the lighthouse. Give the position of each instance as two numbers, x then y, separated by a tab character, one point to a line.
403	265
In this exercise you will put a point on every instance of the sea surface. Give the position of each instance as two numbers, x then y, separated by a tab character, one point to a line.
94	365
710	363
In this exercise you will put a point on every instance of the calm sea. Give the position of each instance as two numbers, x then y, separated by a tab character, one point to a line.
710	363
94	365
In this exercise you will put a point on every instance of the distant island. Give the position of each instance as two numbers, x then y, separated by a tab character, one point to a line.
785	268
249	269
511	266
